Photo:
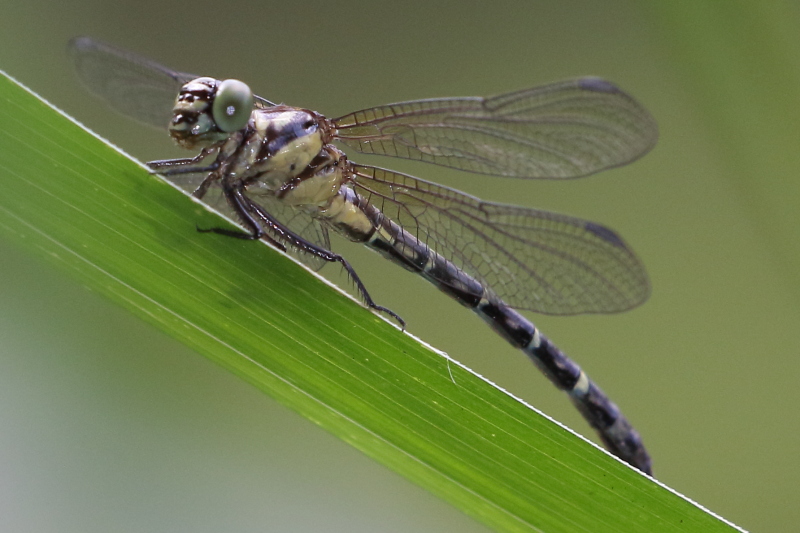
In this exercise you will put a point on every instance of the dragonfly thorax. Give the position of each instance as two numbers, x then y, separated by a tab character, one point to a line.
283	147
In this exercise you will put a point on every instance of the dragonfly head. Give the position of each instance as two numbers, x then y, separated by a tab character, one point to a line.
209	110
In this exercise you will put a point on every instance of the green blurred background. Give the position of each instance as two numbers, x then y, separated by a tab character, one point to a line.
108	425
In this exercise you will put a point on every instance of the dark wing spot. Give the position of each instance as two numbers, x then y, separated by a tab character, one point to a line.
604	233
598	85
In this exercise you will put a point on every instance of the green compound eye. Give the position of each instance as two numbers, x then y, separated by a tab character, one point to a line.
232	105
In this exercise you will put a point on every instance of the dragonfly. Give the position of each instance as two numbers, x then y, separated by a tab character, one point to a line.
282	174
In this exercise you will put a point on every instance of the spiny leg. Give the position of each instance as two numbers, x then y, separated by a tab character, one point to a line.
238	202
171	164
186	170
308	247
245	208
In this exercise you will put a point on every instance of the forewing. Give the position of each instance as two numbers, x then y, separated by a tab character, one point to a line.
536	260
563	130
133	85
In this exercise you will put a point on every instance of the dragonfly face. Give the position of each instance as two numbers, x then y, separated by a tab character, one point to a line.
207	110
284	179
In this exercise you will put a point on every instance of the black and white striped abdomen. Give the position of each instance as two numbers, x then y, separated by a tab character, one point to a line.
404	249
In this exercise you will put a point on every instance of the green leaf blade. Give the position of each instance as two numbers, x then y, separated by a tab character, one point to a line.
79	203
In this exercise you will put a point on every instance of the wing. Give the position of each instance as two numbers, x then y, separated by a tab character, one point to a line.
298	221
133	85
136	87
536	260
563	130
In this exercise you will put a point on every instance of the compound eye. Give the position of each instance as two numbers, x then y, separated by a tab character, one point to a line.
232	105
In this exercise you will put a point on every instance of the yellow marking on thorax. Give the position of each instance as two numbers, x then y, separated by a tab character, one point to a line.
293	158
261	122
318	190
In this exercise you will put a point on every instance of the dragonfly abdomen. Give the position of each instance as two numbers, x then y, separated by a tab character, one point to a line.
401	247
405	249
597	409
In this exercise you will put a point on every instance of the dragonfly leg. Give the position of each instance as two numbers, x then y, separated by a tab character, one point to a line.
286	235
363	290
256	232
186	170
182	166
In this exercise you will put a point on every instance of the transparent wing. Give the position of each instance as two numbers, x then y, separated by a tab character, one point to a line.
536	260
136	87
133	85
563	130
298	221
